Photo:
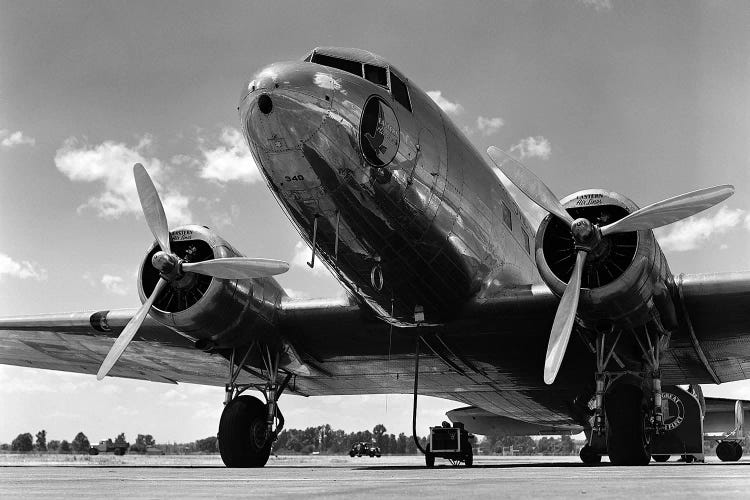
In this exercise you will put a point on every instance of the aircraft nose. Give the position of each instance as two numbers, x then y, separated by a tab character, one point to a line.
285	104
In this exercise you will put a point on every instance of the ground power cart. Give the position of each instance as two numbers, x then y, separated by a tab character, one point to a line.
452	443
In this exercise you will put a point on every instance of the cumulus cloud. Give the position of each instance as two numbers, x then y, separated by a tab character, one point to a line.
10	139
302	255
488	126
598	5
532	147
22	270
695	231
452	108
111	164
229	159
114	284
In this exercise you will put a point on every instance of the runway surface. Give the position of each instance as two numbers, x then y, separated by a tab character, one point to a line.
387	477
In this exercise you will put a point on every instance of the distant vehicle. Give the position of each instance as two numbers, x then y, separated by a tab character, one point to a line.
359	449
109	446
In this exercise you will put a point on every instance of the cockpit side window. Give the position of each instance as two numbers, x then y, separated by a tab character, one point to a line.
400	92
335	62
376	75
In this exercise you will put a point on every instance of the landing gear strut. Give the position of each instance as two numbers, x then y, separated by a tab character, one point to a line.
248	427
622	415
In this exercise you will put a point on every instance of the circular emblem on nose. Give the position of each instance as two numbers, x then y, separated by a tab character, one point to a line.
379	133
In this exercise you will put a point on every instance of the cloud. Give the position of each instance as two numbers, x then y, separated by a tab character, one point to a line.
598	5
693	232
450	108
532	147
114	284
302	255
23	270
228	160
10	139
488	126
111	164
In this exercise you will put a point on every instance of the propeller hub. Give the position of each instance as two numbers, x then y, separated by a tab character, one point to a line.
582	230
167	264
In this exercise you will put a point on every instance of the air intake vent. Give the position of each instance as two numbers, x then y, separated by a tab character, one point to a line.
601	268
187	291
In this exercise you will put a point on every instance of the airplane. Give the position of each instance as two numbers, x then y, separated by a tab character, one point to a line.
450	291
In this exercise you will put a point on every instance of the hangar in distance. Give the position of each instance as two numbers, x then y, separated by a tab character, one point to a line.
578	325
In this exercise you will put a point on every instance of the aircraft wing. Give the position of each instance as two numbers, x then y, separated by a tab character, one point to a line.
712	345
78	342
720	414
490	356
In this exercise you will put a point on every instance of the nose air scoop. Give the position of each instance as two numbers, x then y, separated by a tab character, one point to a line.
265	104
379	132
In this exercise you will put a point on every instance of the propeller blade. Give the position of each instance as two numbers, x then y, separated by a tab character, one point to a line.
237	267
153	210
128	332
670	210
528	183
563	324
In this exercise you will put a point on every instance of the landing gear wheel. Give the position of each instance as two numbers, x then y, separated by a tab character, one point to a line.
661	458
242	433
469	460
688	459
627	442
729	451
588	456
429	458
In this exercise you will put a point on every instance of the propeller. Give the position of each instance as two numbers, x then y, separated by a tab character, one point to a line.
588	236
172	268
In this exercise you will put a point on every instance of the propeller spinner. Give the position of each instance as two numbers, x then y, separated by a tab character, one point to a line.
588	236
171	267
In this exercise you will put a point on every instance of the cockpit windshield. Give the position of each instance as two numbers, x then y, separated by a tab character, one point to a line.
371	72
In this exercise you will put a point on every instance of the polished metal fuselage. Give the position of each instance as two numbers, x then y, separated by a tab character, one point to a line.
424	232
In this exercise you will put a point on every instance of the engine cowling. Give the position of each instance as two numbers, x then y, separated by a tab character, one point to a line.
624	281
215	312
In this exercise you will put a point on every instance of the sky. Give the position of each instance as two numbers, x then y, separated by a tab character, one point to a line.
649	99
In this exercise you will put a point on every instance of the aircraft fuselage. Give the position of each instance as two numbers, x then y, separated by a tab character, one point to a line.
400	205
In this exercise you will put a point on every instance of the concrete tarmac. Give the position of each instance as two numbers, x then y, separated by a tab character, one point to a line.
387	477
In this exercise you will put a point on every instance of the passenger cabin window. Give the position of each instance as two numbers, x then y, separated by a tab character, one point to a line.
352	67
506	217
526	243
376	75
400	92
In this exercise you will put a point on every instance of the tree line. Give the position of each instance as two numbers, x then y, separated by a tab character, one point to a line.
25	443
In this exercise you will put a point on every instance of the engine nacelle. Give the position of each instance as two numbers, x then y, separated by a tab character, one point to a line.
624	280
216	312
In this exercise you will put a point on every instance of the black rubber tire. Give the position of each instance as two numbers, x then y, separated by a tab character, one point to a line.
588	456
119	452
352	454
93	451
725	452
242	441
626	435
688	459
469	460
429	458
661	458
